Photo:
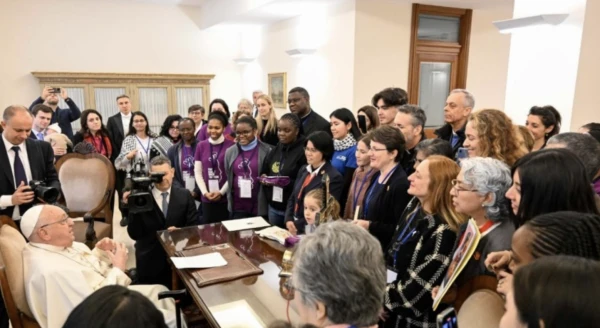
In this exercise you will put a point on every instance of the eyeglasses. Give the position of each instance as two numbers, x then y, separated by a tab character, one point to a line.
63	221
375	149
456	185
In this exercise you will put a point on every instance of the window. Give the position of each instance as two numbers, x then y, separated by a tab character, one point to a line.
438	59
157	95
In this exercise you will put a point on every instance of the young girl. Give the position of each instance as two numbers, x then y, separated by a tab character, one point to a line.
314	203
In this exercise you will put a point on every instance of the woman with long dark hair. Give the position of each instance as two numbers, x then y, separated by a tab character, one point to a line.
543	123
95	133
137	144
217	105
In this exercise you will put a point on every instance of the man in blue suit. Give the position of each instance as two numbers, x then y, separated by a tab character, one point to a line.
62	116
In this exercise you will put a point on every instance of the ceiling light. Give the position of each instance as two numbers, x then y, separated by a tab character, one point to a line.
510	25
300	52
243	61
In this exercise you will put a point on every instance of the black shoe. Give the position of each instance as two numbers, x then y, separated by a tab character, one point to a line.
124	222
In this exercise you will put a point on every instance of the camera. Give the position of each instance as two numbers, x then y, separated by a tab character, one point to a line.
47	194
140	199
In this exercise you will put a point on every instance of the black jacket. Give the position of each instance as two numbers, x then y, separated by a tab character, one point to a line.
315	122
151	261
63	116
335	188
445	133
293	159
116	133
385	211
174	154
41	162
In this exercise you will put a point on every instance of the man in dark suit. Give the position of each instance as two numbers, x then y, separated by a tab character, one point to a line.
22	159
118	127
173	208
459	105
62	116
299	103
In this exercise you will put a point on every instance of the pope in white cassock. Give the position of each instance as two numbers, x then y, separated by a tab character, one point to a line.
60	273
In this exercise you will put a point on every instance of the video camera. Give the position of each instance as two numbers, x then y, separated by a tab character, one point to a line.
48	194
140	199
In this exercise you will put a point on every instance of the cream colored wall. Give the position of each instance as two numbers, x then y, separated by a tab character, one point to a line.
107	36
585	105
488	58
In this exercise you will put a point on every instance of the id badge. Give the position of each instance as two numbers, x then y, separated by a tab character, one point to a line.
211	173
277	194
245	188
190	182
213	185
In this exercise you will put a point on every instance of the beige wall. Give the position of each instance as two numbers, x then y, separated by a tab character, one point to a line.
107	36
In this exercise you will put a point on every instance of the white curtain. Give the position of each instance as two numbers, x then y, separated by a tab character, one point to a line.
434	85
106	101
154	103
187	97
78	97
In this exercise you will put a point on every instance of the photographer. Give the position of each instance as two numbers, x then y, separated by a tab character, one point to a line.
154	205
62	116
24	161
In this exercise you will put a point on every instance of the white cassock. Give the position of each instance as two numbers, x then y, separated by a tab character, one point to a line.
57	279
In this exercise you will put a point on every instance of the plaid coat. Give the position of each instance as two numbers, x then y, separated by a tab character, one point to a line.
421	263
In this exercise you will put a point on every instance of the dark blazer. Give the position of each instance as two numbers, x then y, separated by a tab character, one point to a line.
388	206
41	162
445	133
63	116
315	122
336	185
174	154
151	261
116	133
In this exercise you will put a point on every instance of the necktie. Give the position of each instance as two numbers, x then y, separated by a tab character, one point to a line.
20	176
165	204
40	136
454	140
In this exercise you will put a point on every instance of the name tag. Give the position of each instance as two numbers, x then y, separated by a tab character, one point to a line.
245	188
213	185
277	194
190	182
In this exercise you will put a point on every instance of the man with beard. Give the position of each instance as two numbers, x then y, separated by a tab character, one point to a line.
62	116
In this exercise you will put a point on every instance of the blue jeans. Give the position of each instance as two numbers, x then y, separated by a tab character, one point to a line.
276	217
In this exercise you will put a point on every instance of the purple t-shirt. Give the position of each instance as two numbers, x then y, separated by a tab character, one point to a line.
212	158
203	133
187	160
245	166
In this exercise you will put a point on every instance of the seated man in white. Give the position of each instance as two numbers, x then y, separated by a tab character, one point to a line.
60	273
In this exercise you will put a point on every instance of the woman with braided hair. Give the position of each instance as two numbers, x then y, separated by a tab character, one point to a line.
559	233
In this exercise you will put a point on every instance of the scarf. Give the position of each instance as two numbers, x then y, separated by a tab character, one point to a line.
345	143
105	146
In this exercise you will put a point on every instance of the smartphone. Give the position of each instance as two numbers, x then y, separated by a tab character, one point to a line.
447	319
462	153
362	123
55	90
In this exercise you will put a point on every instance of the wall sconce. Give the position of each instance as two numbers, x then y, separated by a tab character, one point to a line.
510	25
300	52
243	61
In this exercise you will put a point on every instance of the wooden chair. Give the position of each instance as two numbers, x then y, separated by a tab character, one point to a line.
12	275
87	183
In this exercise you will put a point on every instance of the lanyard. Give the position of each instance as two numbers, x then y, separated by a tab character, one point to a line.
376	185
147	148
245	165
362	184
404	235
307	180
213	160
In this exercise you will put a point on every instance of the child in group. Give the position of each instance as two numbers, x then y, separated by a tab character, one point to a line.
315	202
59	142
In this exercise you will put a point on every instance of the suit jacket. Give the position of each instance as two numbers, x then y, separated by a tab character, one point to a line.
116	133
445	133
151	260
315	122
41	161
63	116
336	186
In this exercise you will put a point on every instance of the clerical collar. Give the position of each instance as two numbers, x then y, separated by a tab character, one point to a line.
307	114
48	247
218	141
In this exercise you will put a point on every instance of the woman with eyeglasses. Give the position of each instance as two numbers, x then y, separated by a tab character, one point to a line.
243	163
318	150
168	136
386	195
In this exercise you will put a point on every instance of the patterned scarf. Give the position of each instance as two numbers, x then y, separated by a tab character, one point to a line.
345	143
105	147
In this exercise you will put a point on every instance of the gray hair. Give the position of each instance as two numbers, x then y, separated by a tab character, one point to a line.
489	175
257	91
342	266
416	112
12	110
584	146
469	99
160	160
435	147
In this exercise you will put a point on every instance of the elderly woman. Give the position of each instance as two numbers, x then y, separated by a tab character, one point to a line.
339	277
478	192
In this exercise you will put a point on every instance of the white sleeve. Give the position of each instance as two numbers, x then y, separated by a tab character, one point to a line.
224	189
199	177
6	201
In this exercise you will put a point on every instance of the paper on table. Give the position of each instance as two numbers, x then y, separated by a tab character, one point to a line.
209	260
245	224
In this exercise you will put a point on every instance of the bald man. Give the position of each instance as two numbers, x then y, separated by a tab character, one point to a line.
60	273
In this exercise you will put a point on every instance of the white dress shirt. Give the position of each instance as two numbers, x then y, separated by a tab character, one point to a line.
157	194
6	200
125	120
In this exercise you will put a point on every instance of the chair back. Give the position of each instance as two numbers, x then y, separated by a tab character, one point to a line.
87	183
483	309
12	275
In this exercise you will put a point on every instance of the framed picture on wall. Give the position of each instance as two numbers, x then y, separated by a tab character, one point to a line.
278	89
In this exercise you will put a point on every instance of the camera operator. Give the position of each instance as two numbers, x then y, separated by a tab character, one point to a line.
62	116
152	209
24	161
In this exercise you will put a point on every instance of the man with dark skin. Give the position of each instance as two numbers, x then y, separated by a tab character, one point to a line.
299	103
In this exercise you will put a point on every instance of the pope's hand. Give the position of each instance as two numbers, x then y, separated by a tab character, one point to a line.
106	244
118	257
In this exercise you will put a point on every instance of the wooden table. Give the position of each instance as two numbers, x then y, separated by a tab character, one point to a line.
248	302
